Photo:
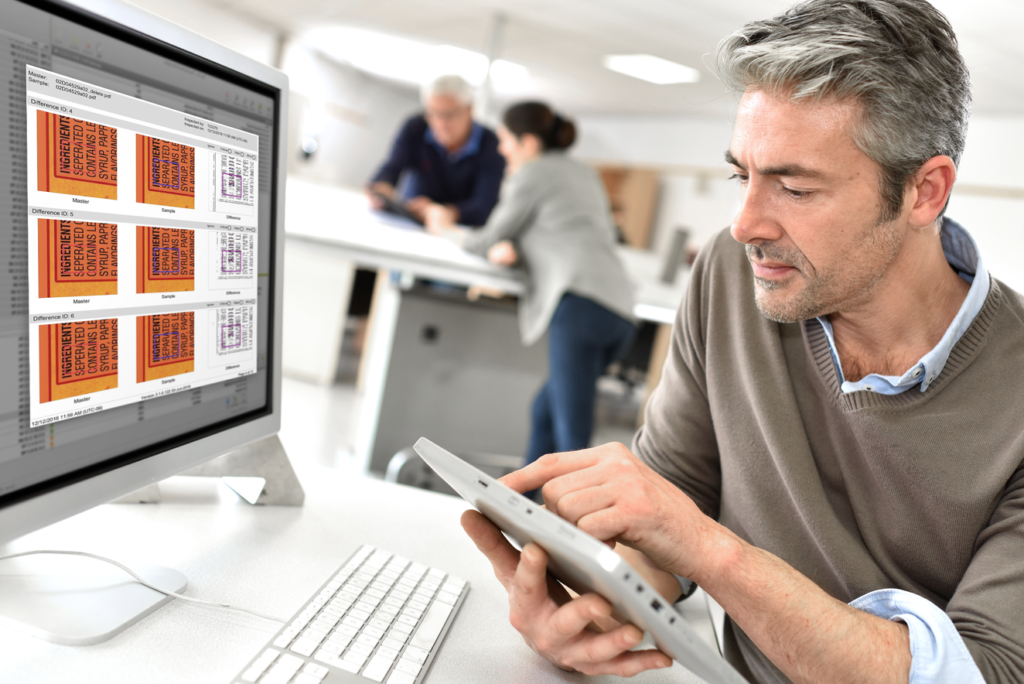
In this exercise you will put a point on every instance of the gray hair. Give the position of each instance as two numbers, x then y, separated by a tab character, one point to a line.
451	85
898	58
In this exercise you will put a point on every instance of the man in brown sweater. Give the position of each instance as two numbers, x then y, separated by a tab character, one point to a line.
835	450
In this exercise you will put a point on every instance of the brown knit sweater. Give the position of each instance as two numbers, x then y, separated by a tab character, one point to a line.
921	491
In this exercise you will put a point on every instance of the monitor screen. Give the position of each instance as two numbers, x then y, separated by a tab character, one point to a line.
138	199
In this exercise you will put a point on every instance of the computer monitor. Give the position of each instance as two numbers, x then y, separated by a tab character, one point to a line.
143	201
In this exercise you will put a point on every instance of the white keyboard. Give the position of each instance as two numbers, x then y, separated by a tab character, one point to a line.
380	618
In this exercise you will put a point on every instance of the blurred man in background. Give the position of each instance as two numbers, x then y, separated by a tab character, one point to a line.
448	164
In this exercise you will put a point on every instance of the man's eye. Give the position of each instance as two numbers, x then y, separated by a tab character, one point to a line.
797	194
742	178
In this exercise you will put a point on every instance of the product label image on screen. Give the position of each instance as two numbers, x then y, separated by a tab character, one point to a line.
139	197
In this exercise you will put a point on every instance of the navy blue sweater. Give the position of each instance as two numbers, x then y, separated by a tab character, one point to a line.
469	179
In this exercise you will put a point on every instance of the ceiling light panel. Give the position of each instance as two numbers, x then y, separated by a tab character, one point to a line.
652	69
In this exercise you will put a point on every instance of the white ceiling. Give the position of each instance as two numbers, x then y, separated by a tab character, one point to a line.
562	42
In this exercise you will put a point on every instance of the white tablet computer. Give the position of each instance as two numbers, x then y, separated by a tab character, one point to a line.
582	562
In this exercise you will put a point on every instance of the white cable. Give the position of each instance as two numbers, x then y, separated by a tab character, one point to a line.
145	583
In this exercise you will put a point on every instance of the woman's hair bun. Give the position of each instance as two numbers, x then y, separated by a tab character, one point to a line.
536	118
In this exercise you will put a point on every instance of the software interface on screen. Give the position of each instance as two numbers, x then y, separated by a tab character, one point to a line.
137	210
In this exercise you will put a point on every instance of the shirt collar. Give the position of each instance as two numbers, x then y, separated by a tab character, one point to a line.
469	148
963	255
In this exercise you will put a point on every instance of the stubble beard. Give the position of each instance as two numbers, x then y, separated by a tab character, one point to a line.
826	291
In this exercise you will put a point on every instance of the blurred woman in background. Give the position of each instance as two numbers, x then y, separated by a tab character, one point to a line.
553	221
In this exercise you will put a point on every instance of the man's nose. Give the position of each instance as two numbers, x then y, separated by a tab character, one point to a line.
755	221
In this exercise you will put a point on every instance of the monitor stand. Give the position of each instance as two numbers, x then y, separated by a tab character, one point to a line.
77	600
260	473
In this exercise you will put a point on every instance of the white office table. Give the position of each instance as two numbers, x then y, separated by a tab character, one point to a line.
271	559
328	229
372	240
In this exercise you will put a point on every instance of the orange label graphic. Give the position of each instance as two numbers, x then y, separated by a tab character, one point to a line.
77	358
165	345
76	157
77	258
165	172
166	259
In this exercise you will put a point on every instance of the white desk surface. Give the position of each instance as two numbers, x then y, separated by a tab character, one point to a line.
374	240
271	559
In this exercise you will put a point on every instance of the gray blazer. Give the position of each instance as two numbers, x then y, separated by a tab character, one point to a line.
555	211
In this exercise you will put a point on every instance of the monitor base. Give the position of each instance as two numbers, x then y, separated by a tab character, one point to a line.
79	601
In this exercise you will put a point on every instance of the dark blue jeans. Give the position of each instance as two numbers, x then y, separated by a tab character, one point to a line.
583	338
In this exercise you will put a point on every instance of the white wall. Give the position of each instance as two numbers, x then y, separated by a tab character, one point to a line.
353	116
703	203
993	145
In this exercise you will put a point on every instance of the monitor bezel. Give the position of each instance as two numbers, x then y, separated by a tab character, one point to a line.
42	504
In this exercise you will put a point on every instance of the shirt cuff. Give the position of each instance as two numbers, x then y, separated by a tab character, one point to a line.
938	653
686	588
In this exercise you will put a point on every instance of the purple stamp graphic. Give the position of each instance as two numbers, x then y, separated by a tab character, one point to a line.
173	344
170	253
175	170
230	261
230	184
231	336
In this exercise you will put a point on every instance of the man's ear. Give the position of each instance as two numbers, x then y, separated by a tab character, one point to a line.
929	190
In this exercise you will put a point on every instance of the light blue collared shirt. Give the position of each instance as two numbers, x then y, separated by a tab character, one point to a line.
470	147
938	653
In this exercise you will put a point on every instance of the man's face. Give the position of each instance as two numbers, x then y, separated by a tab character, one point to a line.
810	207
449	120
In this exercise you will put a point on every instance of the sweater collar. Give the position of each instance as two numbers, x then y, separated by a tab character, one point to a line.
962	253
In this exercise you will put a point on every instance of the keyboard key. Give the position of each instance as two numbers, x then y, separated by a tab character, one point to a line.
380	621
283	641
406	620
373	631
338	641
353	658
367	640
305	678
352	666
276	678
417	655
304	646
445	597
318	671
290	662
377	669
402	627
408	666
388	652
361	649
392	642
317	635
361	614
398	677
431	626
347	630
